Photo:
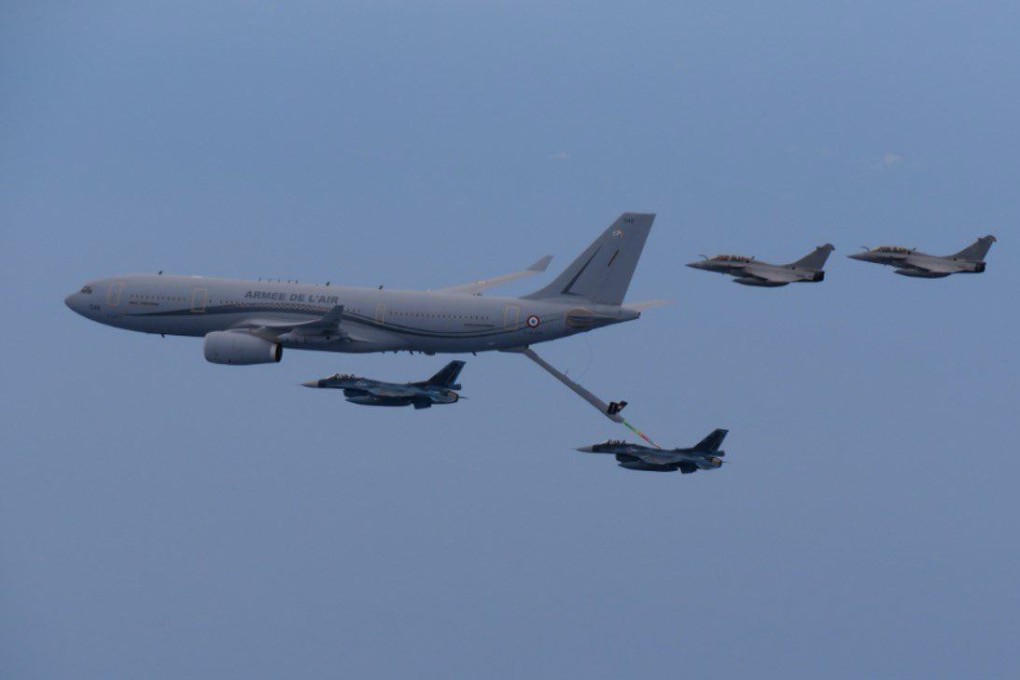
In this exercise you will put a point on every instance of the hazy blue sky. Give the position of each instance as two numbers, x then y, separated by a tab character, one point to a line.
161	517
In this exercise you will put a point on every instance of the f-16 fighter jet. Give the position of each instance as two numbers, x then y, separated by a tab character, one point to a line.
705	455
751	272
439	389
911	262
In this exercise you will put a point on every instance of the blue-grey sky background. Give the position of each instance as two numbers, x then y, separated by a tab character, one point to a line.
161	517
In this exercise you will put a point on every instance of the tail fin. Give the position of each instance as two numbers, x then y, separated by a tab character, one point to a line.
815	259
712	442
602	273
976	251
448	376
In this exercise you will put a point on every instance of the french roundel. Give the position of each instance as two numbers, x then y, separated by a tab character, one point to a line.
533	321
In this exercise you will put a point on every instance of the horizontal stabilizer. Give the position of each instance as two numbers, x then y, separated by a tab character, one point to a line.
648	304
477	287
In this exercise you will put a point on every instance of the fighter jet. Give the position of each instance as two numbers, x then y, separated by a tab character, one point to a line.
439	389
911	262
705	455
751	272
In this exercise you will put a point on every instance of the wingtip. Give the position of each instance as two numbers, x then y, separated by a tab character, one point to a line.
541	265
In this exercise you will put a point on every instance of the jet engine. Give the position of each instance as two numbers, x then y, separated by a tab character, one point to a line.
240	349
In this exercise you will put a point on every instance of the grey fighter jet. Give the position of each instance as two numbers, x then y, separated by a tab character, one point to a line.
439	389
705	455
911	262
751	272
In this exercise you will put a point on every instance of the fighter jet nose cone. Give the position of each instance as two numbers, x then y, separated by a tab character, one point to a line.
69	300
584	449
311	383
694	265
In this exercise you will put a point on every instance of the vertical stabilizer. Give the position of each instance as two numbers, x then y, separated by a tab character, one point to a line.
447	377
976	251
815	260
602	273
712	442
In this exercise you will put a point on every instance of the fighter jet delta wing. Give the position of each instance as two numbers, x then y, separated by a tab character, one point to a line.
477	287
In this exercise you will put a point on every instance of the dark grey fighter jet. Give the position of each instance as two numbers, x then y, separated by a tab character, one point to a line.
439	389
752	272
911	262
705	455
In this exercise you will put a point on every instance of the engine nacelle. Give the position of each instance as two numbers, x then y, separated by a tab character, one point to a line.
240	349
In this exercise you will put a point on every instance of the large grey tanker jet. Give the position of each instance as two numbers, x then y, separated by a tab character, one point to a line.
439	389
250	322
751	272
705	455
911	262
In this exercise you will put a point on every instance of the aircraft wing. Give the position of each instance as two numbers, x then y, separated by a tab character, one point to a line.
476	287
389	391
932	265
655	458
326	327
771	274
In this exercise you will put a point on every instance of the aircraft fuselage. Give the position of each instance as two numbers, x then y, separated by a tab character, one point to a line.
374	319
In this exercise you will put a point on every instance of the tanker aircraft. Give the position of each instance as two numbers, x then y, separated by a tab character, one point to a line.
752	272
250	322
705	455
439	389
913	263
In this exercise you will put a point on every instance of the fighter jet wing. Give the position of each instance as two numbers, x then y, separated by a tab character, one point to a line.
476	287
653	458
389	391
932	265
770	274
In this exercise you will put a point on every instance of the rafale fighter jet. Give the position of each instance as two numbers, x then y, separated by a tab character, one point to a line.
705	455
911	262
439	389
251	322
752	272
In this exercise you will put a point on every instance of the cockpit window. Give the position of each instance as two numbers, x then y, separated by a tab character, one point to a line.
731	258
892	249
87	290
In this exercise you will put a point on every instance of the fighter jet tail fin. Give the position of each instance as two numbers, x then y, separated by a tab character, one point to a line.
447	377
815	259
602	273
712	442
976	251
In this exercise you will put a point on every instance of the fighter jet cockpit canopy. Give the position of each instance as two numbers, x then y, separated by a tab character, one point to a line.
732	258
893	249
86	290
